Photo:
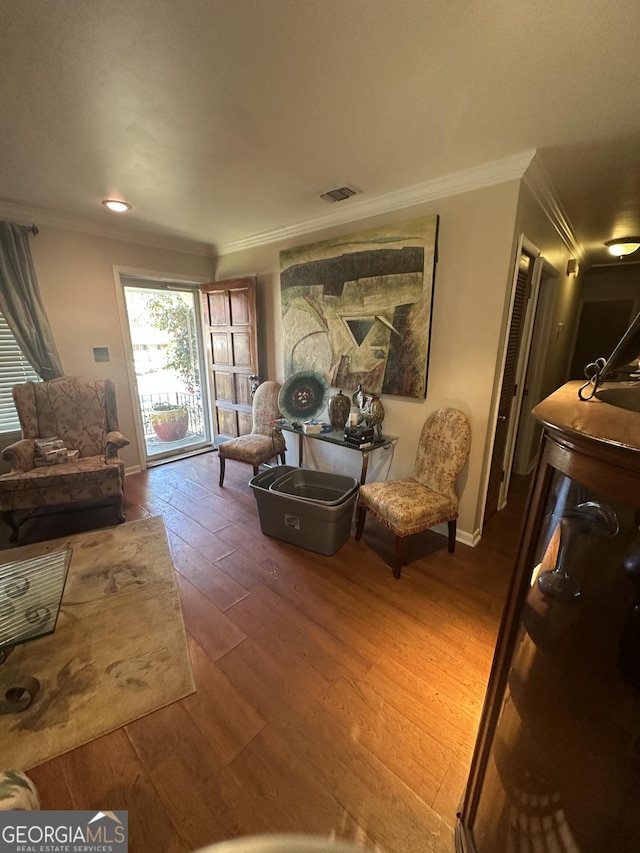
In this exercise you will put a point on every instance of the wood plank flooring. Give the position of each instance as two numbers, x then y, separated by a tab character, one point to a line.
331	699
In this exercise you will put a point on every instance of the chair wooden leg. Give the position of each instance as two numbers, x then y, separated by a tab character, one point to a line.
119	514
362	514
222	460
452	536
10	517
397	566
256	470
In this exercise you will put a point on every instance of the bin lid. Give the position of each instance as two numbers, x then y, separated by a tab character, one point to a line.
316	486
263	479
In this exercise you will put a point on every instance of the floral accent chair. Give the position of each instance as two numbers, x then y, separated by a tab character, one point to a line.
265	440
82	413
428	497
17	792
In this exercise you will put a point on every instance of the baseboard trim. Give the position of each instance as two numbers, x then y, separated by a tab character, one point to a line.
470	539
462	536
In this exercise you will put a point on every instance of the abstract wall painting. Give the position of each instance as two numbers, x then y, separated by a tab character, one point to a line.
357	309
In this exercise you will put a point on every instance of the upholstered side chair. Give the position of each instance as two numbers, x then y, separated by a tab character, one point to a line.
82	414
428	497
265	441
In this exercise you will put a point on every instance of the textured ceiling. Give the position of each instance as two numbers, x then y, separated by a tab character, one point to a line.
219	120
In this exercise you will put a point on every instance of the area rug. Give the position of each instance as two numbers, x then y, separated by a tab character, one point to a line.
119	650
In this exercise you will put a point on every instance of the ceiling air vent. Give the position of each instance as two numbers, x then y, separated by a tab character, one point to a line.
338	194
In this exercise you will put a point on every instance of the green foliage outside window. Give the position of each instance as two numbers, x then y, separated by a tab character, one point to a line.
173	314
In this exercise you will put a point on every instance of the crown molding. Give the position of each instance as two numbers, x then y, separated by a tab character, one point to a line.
538	182
28	215
509	168
495	172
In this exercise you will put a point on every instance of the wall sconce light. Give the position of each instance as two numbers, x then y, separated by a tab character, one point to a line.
623	246
116	205
573	267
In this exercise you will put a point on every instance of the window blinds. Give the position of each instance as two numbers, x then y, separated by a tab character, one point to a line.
14	368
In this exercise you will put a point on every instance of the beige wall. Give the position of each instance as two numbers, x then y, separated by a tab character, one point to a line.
475	256
612	282
75	274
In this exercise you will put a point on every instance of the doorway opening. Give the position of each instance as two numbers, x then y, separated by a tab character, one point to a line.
508	403
532	301
169	366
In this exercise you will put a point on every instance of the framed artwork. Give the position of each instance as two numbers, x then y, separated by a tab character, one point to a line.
357	309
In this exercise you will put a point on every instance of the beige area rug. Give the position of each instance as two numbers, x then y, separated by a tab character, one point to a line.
119	650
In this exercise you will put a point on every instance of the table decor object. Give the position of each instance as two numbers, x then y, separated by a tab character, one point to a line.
339	409
303	396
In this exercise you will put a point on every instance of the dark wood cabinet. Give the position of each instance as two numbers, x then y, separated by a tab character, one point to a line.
556	765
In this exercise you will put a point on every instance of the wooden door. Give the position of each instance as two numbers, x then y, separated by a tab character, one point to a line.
508	390
229	309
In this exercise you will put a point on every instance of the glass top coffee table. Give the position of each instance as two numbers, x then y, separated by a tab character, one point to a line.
30	596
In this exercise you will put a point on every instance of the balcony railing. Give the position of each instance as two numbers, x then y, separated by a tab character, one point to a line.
191	402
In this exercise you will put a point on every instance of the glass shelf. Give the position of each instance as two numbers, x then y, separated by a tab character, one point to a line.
336	437
30	595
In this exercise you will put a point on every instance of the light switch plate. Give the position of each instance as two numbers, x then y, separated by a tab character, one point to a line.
101	354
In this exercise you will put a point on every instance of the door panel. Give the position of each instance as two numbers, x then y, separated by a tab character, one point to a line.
508	389
221	349
224	384
243	390
245	423
240	308
226	422
229	309
241	350
218	305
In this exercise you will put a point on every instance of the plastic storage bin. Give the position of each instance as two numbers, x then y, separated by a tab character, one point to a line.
317	486
311	524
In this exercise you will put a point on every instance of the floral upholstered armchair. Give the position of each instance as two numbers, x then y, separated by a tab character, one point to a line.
82	414
428	497
265	440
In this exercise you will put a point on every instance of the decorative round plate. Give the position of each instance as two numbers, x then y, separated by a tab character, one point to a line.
303	396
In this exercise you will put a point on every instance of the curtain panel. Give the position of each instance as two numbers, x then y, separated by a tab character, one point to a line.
21	303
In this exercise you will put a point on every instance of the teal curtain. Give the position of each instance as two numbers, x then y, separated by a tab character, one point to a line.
21	304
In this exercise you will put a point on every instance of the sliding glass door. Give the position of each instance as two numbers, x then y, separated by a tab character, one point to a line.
169	366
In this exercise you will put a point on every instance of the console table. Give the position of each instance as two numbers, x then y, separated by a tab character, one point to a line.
336	437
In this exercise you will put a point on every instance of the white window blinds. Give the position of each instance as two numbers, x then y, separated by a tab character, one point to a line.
14	368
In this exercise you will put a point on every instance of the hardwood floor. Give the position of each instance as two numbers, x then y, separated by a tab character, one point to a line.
331	699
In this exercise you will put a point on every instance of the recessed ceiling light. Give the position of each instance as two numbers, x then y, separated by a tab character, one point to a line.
116	206
623	246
